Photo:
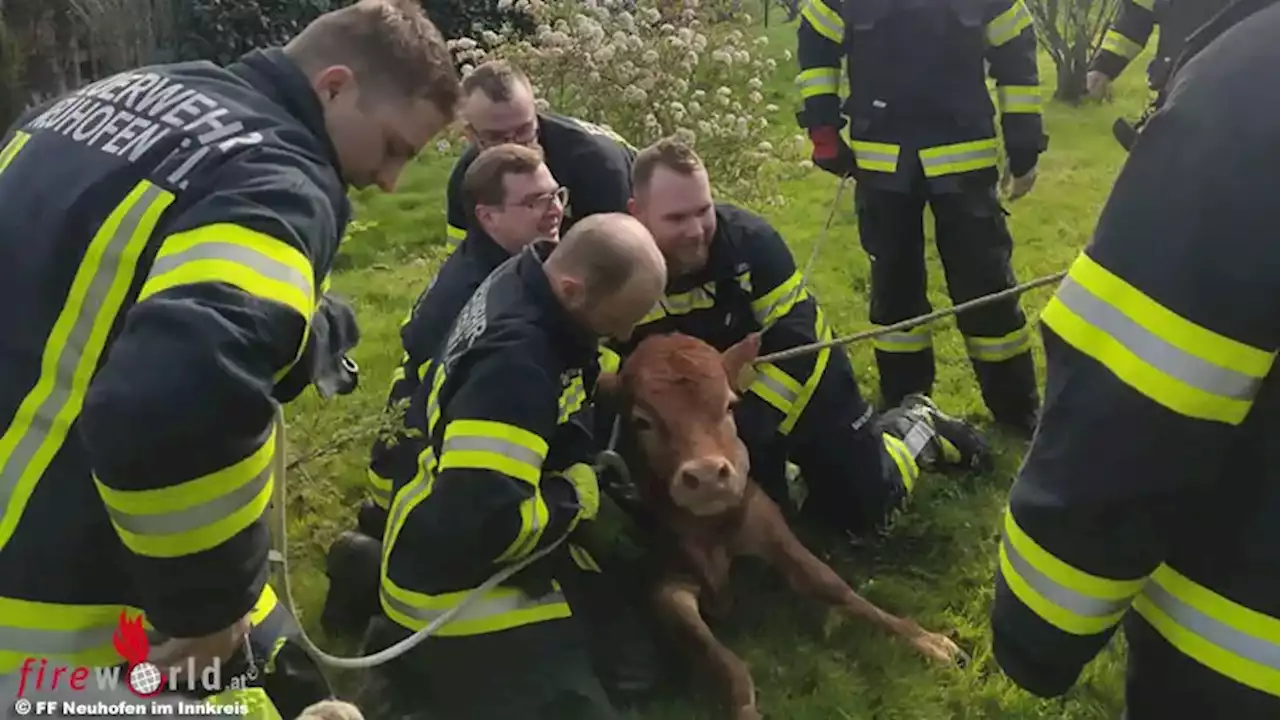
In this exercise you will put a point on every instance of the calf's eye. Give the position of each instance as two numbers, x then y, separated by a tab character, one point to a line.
641	424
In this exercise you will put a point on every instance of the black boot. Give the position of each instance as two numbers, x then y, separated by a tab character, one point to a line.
352	566
1010	393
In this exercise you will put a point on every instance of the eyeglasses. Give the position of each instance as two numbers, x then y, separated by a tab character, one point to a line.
522	135
542	203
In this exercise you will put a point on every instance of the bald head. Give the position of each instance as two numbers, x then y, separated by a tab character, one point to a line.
608	271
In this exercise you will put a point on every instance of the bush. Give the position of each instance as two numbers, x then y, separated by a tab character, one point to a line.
223	30
644	77
459	18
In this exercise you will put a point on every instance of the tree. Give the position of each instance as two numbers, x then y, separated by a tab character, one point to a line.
1071	32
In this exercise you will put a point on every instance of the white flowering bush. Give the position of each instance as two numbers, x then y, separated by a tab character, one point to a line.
651	69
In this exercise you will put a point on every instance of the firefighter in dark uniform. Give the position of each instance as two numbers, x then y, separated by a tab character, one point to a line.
517	201
168	232
922	128
592	161
1151	494
1128	35
731	274
506	472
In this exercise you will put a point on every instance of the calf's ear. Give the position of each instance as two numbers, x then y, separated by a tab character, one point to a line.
739	362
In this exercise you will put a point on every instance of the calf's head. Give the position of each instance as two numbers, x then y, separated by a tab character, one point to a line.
675	397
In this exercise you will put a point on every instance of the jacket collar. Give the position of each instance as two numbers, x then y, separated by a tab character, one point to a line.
577	344
278	77
479	245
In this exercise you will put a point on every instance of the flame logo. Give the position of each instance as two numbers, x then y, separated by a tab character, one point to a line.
130	639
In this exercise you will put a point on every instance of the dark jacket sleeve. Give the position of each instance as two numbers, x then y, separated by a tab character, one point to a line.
493	500
457	217
1153	360
789	316
1011	53
178	423
603	182
820	54
1125	38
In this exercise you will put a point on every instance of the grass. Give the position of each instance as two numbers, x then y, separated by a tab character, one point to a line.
936	565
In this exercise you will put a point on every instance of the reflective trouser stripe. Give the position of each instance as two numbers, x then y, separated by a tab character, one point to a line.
997	349
1120	45
1066	597
499	609
876	156
916	339
11	149
959	157
1238	642
903	458
73	349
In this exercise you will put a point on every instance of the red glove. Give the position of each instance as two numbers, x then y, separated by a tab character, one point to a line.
830	152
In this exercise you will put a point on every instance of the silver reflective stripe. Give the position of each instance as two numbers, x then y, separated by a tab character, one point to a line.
505	448
1001	31
918	437
37	643
238	254
479	610
1215	631
908	341
572	399
1153	349
687	302
1063	597
789	297
108	268
828	82
196	516
821	18
871	156
787	394
985	346
1020	97
381	496
933	161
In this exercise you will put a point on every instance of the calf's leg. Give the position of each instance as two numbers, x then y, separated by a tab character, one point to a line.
765	533
677	605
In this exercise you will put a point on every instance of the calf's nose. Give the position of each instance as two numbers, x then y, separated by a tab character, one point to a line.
703	471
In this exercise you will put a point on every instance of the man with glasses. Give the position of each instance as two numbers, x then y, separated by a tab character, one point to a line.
498	107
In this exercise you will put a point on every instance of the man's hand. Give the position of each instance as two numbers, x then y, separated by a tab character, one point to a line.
173	653
831	152
1098	85
1015	187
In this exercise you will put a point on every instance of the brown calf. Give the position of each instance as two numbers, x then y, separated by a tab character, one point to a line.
675	396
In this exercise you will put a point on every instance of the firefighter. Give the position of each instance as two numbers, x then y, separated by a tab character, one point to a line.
498	107
516	201
168	232
731	274
1151	493
923	133
1128	35
507	471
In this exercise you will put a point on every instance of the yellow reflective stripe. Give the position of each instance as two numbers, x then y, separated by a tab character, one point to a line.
1068	598
818	81
77	635
11	148
1020	98
74	348
1187	368
267	601
195	515
534	517
917	339
960	157
824	20
775	304
583	559
454	234
908	469
1148	5
997	349
1236	641
257	703
255	262
502	608
811	384
489	445
572	398
379	488
610	361
1009	24
876	156
776	387
403	502
1120	45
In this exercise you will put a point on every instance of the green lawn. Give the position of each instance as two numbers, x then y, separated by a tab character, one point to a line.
936	565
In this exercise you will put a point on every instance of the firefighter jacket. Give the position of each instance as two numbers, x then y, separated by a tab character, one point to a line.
165	232
749	284
918	99
421	333
1128	35
1151	493
592	161
505	451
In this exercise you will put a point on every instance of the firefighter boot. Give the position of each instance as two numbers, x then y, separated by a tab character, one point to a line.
1010	393
353	567
935	438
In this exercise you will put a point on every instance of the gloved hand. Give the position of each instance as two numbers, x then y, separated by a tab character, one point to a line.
585	485
1098	85
1015	187
831	152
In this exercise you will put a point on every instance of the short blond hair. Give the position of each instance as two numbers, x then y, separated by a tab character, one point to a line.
391	45
671	153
